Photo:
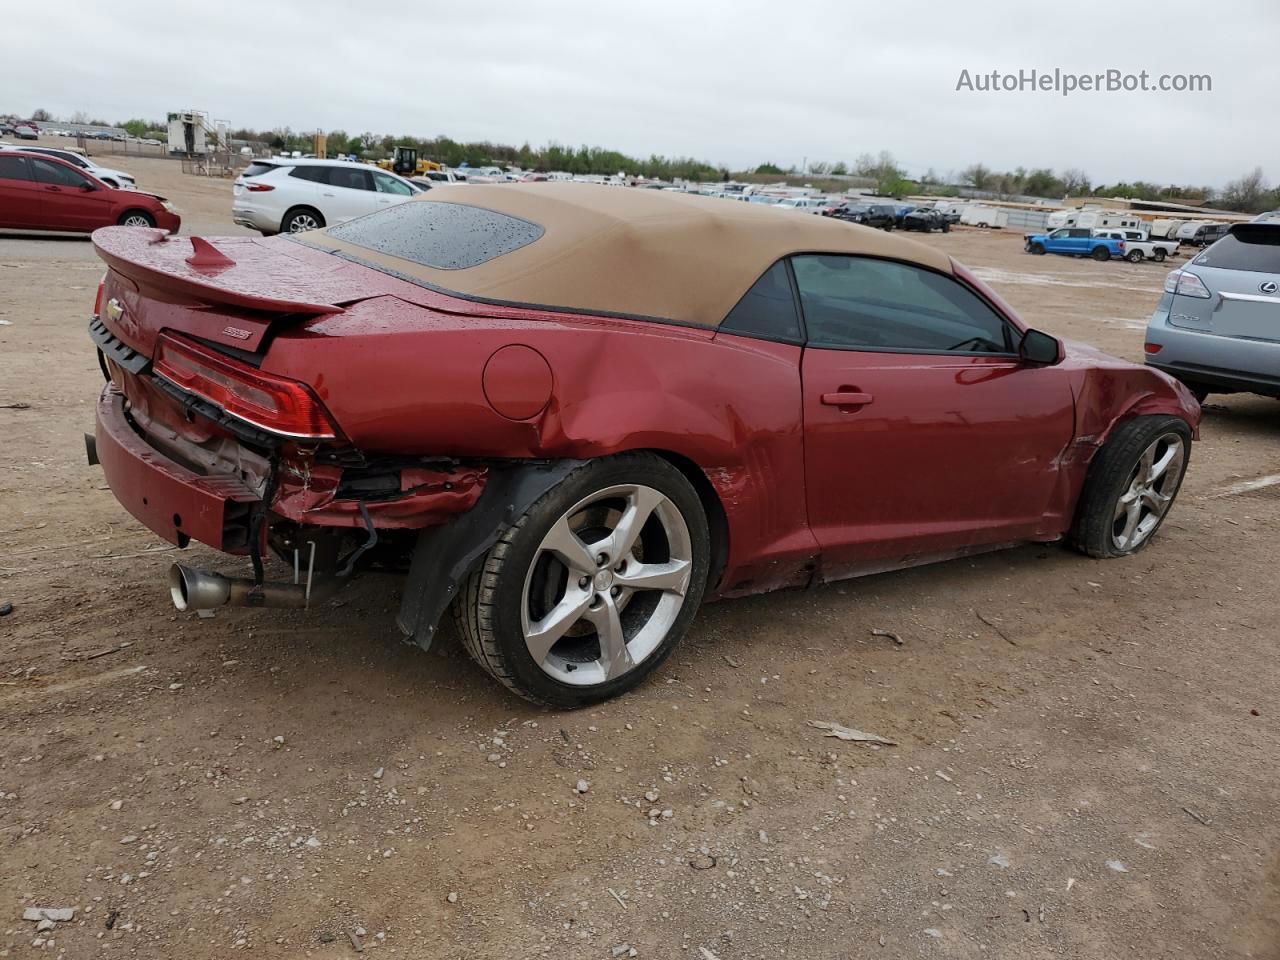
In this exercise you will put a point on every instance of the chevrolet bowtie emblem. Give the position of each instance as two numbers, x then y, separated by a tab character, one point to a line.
115	310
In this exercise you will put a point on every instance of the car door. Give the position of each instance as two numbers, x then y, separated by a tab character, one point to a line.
19	193
346	193
389	190
924	432
69	200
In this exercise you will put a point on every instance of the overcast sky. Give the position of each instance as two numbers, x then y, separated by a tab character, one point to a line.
734	83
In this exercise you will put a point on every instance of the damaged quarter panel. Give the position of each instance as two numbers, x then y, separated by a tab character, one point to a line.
729	405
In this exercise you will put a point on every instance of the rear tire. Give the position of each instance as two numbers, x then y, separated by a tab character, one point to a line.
1158	255
300	219
1101	253
1122	504
549	619
136	218
1134	256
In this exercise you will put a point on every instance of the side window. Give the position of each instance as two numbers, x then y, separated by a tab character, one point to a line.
767	310
386	184
349	178
313	174
1058	234
14	168
863	303
48	171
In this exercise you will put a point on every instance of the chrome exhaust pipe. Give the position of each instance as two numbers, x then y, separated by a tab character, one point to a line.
193	589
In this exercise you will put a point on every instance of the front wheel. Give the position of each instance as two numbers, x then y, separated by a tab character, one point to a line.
589	591
1131	486
1037	249
136	218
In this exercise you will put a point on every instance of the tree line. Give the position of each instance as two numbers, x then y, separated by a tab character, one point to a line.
1249	193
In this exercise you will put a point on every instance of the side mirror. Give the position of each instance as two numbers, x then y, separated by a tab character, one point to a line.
1039	348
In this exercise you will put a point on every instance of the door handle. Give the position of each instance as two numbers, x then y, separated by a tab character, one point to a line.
847	398
54	188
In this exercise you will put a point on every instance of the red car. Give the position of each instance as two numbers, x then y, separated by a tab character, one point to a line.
571	413
40	192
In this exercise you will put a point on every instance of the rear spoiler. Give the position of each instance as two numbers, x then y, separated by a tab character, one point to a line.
238	271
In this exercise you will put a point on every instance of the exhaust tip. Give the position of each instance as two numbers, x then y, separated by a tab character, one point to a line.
178	589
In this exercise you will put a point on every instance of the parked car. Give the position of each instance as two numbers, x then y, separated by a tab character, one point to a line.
290	194
900	210
503	391
115	179
25	131
802	204
39	192
1217	326
925	220
1074	242
878	215
1208	234
1138	248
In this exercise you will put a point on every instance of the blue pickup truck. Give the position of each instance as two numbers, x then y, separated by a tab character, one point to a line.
1074	242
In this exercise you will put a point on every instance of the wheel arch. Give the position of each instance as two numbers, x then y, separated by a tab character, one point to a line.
717	518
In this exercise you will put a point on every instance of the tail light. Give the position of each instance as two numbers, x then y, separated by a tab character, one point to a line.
1171	281
264	400
97	298
1153	347
258	187
1121	246
1189	285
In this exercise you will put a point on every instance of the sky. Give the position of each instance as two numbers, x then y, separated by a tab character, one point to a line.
736	84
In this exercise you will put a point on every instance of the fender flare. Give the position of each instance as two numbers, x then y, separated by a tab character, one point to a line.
446	554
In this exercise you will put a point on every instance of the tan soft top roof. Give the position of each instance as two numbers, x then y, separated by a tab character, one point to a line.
645	253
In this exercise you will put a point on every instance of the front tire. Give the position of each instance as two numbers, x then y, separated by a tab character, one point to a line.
136	218
1131	486
1037	249
589	591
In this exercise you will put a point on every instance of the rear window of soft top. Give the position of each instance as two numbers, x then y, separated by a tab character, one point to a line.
446	236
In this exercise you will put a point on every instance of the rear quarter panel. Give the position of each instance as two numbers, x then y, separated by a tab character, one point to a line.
402	378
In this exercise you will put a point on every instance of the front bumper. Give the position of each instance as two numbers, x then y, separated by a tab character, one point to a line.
173	501
1209	360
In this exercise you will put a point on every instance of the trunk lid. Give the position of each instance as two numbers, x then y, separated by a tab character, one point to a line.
230	291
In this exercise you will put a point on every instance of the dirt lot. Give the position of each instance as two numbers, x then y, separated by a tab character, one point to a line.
1085	760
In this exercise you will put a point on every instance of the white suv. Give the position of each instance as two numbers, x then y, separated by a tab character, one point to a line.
288	195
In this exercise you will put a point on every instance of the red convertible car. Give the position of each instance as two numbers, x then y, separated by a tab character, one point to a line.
570	414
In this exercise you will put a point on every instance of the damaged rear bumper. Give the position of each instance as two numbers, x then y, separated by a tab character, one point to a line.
177	503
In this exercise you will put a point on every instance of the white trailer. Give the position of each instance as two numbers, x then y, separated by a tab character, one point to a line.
981	215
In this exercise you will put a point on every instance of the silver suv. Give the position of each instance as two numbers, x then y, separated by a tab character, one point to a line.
1217	327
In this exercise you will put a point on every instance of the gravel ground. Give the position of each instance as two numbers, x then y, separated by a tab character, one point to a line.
1084	759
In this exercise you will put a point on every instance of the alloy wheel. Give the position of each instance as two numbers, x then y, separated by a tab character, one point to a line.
136	221
1152	485
301	222
606	584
